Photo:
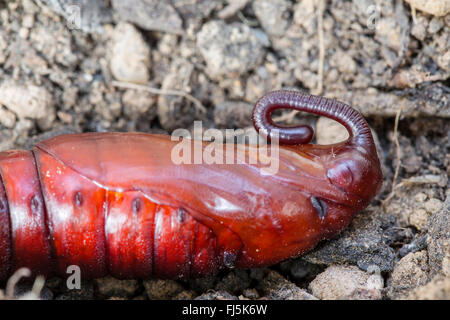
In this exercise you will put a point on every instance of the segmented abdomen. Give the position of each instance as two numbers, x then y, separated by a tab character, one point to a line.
52	217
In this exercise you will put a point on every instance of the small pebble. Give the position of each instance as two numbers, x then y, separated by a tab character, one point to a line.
130	56
342	282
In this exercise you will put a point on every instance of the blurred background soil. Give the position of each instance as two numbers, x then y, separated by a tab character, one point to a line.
154	66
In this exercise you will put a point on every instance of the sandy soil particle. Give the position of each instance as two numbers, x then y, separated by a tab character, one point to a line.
410	272
342	282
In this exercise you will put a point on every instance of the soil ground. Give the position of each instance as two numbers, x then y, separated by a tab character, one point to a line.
81	66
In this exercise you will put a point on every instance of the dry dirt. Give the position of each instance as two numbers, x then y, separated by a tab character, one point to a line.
79	66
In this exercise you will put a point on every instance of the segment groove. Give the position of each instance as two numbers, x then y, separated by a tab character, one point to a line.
48	229
5	245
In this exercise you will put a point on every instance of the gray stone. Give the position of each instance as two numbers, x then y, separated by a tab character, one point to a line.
175	111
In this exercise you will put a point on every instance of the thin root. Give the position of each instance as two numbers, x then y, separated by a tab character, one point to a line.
198	105
320	12
288	117
245	20
14	279
417	180
35	292
398	153
231	9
